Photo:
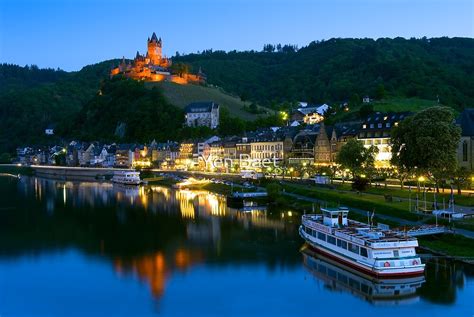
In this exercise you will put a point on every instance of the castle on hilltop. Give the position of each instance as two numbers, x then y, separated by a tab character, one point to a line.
154	66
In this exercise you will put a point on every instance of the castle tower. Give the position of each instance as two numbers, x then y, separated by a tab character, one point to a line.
154	50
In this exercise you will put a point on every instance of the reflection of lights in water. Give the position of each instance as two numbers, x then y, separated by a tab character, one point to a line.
143	196
64	194
258	218
162	190
186	205
216	205
155	268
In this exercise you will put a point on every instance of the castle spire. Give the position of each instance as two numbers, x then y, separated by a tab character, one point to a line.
154	37
138	55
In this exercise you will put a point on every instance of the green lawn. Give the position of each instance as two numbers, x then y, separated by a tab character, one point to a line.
367	202
182	95
403	104
463	199
454	245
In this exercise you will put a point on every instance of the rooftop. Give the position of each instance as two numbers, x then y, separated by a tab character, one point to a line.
203	106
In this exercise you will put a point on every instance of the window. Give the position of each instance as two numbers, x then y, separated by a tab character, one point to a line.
379	125
464	151
395	253
363	252
341	243
332	240
387	125
353	248
364	126
321	236
371	125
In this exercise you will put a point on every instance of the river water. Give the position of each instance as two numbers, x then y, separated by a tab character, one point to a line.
97	249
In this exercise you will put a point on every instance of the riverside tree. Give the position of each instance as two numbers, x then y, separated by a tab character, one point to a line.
356	158
426	143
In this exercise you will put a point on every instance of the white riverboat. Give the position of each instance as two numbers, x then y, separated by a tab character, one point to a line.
372	251
130	177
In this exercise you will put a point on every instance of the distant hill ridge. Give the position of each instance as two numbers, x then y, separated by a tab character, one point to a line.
331	71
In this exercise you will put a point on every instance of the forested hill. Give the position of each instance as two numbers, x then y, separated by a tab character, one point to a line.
32	98
329	71
333	70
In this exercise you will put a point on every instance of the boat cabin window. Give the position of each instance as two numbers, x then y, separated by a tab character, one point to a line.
363	252
321	236
342	244
332	240
353	248
395	253
309	231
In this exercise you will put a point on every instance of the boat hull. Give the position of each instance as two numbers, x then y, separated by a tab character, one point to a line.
135	183
364	268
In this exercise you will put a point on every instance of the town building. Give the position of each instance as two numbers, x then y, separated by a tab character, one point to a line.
309	114
375	131
202	114
122	156
324	147
303	148
465	152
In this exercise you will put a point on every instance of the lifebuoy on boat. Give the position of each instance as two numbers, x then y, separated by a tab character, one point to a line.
415	262
386	264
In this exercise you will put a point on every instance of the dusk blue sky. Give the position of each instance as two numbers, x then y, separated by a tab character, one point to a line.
70	34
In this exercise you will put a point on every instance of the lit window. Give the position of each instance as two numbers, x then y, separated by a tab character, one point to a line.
364	126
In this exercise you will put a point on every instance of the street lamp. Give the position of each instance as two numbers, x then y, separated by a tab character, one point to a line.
421	179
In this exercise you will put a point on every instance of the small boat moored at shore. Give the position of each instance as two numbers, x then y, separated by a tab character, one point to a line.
372	251
126	177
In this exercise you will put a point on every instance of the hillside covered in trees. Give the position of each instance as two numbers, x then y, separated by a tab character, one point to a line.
32	99
333	70
86	104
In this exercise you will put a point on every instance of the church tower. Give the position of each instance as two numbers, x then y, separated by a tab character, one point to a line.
154	50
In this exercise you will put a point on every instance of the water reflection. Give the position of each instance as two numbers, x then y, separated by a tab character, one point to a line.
152	234
148	232
338	277
156	268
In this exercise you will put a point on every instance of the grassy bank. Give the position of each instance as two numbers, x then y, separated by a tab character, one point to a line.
449	244
161	181
463	199
397	209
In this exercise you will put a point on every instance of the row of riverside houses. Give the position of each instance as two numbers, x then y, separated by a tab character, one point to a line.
315	144
95	154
